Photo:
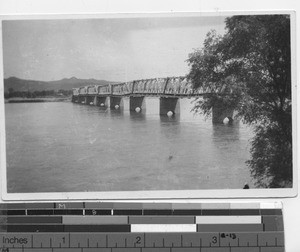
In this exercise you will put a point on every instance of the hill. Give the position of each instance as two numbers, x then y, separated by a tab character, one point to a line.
64	84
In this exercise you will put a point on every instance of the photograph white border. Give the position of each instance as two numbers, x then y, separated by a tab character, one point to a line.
170	194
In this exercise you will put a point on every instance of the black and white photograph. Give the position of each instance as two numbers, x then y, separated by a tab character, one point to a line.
148	103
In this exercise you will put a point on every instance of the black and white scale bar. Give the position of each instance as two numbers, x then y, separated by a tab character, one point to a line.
198	212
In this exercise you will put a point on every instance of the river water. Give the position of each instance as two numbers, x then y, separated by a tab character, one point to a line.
66	147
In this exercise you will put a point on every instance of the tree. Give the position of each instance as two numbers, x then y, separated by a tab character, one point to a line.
10	92
250	69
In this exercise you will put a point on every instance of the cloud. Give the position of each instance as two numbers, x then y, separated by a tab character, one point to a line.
112	49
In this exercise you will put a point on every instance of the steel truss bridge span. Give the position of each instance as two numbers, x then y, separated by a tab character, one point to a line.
171	86
169	91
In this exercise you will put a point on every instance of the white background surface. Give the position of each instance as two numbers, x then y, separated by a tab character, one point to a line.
13	7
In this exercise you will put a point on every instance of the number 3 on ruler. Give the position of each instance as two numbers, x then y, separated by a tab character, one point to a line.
214	239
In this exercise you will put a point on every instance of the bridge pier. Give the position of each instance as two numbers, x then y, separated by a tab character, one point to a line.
219	113
167	104
137	103
116	102
95	100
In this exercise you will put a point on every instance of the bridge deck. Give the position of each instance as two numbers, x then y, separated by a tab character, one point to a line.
168	87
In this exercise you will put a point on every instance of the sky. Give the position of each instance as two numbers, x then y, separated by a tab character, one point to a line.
113	49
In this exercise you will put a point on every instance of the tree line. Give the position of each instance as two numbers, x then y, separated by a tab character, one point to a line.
36	94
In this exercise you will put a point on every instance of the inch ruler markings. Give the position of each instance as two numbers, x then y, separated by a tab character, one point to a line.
143	227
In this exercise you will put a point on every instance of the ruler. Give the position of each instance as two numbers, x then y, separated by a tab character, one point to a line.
141	227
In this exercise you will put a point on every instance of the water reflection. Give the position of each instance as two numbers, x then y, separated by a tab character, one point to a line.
169	119
134	116
170	126
105	109
116	113
226	132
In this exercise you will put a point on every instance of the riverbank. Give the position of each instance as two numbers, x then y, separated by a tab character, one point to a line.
38	99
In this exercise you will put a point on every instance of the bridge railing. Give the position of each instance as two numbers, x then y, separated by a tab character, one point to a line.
92	90
212	88
186	87
104	90
83	90
179	86
139	87
155	86
122	88
170	86
75	91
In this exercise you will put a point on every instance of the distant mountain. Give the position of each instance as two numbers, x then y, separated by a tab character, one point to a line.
65	84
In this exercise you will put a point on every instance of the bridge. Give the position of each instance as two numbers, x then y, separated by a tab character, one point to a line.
169	90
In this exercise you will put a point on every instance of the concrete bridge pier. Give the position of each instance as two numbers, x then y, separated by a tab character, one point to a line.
168	105
95	100
116	102
137	104
219	113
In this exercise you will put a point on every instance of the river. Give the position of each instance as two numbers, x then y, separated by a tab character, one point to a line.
66	147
